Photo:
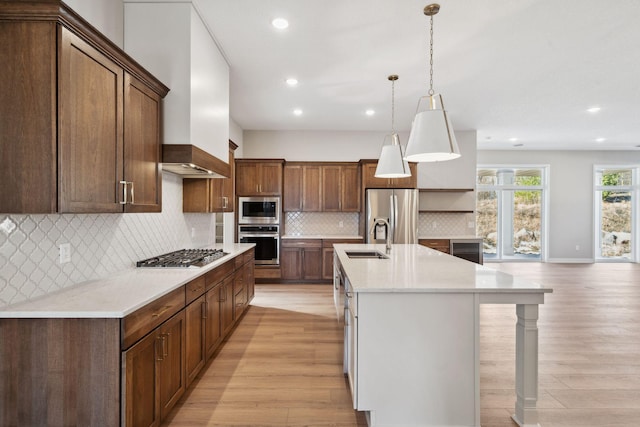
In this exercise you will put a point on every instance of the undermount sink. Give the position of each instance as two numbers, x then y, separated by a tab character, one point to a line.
366	254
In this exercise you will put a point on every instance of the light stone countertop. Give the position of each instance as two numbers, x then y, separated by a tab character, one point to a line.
118	295
416	268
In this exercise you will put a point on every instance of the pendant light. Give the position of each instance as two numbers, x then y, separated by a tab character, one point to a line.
431	138
391	163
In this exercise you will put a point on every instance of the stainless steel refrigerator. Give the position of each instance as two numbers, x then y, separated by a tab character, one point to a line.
399	207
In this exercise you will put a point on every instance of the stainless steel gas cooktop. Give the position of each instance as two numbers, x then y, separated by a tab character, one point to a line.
184	258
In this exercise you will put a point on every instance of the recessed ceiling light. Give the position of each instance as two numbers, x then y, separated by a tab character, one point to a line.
518	145
513	139
291	81
593	109
297	112
280	23
600	139
370	112
488	138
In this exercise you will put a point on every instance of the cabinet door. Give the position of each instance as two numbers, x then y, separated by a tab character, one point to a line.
196	195
270	179
195	358
290	263
292	192
239	293
350	189
331	191
172	378
227	200
312	264
369	179
327	263
142	150
250	281
213	330
90	129
226	302
311	189
27	114
247	179
142	403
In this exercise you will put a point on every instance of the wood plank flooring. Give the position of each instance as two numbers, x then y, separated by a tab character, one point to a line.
282	366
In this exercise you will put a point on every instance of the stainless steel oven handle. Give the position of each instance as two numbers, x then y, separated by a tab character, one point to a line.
257	235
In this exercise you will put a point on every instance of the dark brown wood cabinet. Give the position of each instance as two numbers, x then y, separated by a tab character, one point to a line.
113	372
301	259
441	245
155	373
321	187
83	118
327	254
259	177
209	195
370	181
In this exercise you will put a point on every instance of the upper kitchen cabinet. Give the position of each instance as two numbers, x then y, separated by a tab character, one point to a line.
209	195
370	181
321	187
259	177
79	119
172	41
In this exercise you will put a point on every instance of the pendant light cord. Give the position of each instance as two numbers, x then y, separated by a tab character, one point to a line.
431	92
393	105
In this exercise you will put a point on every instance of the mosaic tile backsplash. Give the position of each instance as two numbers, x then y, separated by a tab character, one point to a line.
101	244
325	223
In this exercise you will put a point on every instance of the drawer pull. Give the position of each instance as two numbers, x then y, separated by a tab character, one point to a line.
159	313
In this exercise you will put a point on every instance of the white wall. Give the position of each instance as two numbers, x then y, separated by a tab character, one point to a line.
571	218
105	15
328	146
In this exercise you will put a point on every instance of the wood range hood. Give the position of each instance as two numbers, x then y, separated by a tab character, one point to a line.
190	161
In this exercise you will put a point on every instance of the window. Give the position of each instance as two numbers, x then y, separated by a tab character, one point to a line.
616	198
510	208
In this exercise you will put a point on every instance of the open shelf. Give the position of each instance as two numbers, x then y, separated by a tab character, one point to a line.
445	190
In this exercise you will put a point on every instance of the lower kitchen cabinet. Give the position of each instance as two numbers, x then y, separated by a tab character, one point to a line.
155	373
327	255
301	259
127	371
441	245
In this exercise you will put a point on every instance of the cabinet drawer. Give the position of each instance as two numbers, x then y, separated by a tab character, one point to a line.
248	256
141	322
213	277
301	243
328	243
238	261
441	245
194	289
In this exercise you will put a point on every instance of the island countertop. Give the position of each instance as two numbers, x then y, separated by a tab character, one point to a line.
118	295
415	268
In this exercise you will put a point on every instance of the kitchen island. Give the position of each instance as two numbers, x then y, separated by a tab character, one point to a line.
412	334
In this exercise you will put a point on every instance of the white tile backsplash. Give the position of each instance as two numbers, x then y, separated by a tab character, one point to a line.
101	244
434	224
321	223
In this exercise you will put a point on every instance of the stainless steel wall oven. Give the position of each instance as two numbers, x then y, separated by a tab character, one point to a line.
266	239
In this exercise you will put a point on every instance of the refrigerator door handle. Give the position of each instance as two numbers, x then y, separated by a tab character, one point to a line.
394	216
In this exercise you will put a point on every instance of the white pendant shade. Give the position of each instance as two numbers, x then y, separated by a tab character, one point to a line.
432	138
391	163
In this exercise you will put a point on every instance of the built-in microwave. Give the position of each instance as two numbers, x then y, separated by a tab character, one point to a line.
258	210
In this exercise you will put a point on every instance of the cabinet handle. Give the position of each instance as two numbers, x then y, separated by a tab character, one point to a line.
204	309
165	338
159	357
225	202
133	199
124	192
159	313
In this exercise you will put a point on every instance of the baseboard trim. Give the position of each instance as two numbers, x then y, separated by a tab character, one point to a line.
571	260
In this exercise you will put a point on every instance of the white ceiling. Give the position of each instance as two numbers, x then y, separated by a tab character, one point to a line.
525	69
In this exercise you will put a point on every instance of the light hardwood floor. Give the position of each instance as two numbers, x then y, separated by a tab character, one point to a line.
282	366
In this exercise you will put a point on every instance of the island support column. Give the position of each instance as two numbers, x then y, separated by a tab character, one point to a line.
526	414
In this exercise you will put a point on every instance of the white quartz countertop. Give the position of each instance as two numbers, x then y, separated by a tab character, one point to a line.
449	237
118	295
416	268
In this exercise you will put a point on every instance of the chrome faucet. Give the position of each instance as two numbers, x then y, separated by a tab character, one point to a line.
384	222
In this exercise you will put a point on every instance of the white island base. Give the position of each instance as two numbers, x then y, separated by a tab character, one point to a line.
412	350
